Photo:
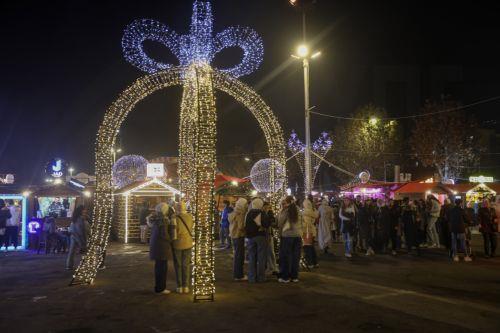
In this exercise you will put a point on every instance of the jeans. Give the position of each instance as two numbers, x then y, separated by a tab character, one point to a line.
238	257
182	265
257	255
224	236
310	255
271	256
347	242
490	244
290	257
457	238
160	275
73	250
11	235
432	231
144	233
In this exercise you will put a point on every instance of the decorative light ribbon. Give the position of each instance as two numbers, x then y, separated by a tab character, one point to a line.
199	46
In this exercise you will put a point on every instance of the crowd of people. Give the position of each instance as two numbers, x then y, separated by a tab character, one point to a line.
366	227
256	233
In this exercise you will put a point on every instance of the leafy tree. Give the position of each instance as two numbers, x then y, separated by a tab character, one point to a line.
371	142
446	141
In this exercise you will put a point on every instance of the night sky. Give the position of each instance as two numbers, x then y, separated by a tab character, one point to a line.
62	65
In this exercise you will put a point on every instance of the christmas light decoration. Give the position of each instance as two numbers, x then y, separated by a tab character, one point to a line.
320	148
197	127
267	175
129	169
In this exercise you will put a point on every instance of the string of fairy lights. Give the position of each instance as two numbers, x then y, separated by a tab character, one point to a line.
197	133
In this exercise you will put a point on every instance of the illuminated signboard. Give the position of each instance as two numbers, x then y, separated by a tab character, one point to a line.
155	170
56	168
481	179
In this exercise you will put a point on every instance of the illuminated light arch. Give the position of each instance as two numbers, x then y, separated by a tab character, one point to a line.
108	130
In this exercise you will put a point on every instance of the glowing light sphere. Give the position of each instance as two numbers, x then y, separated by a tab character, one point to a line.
267	175
364	176
129	169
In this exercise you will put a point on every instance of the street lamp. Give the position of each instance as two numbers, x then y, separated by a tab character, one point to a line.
303	53
114	151
71	170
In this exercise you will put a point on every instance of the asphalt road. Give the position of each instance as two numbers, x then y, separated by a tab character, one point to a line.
382	293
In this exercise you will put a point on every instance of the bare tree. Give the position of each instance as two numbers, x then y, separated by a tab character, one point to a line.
446	140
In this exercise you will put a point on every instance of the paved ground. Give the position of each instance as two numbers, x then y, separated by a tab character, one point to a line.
383	294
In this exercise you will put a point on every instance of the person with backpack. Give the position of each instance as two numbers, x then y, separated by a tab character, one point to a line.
256	224
182	247
160	243
237	233
290	223
487	220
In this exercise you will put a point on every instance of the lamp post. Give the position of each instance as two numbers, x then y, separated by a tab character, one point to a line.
304	54
114	151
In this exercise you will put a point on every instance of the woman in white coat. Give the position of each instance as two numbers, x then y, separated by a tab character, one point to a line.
309	233
324	227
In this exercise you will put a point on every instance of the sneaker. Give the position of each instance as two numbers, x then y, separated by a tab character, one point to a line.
280	280
468	259
394	253
295	280
348	255
164	292
245	278
102	268
185	290
456	258
178	290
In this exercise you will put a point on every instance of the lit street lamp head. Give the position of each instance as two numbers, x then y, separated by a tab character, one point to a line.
302	51
373	121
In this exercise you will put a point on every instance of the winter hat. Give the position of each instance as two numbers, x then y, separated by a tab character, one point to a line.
162	208
257	203
241	203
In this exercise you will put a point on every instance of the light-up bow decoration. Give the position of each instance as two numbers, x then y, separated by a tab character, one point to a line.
200	46
197	133
321	147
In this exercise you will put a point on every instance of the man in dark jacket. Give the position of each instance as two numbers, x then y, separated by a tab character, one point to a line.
4	216
457	218
160	244
256	224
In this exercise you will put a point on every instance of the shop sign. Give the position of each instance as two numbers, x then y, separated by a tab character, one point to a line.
481	179
155	170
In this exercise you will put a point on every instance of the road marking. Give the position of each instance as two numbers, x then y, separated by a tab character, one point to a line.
398	292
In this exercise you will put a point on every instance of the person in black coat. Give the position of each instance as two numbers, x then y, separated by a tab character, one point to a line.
160	244
365	223
409	222
457	219
382	226
256	224
394	233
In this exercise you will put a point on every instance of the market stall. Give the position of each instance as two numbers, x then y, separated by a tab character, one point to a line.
420	190
380	190
130	199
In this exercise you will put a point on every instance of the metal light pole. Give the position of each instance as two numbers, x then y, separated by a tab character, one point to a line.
303	53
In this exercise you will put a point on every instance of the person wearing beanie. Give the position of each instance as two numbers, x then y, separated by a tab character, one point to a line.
256	224
237	234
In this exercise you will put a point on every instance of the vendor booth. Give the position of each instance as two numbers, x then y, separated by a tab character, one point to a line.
420	190
380	190
130	199
17	201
